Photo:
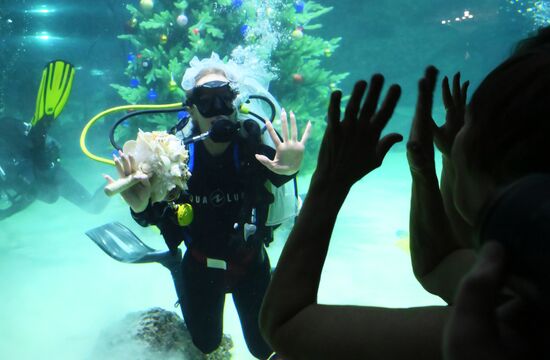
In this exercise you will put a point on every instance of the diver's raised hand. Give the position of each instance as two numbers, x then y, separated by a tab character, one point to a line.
138	194
455	107
352	147
289	152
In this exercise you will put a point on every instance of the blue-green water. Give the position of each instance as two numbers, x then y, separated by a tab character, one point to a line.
59	291
62	290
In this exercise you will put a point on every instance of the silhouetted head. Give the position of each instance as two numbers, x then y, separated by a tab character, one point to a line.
507	126
518	216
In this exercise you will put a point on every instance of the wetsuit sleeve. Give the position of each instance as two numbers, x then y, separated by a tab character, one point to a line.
276	179
152	215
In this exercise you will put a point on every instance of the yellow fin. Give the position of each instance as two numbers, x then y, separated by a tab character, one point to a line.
55	88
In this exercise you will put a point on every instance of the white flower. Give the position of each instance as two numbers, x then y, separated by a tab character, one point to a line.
164	157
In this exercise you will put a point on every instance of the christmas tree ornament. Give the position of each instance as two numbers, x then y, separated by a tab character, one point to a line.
139	56
131	58
172	85
298	78
235	4
196	31
147	64
163	39
299	6
146	5
134	83
131	26
297	33
152	95
244	30
182	20
132	22
327	52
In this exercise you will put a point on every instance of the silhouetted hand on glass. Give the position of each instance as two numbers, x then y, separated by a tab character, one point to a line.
420	148
289	152
352	147
455	107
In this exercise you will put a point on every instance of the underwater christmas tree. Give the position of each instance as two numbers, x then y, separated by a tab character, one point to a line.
165	35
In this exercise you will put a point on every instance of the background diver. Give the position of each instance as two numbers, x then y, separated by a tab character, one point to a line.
30	159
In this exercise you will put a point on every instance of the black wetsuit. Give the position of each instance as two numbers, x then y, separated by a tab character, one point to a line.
222	190
30	170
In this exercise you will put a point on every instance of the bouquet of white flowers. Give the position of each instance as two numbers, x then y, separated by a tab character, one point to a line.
163	158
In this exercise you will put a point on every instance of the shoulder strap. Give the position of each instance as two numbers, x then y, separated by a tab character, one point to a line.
191	157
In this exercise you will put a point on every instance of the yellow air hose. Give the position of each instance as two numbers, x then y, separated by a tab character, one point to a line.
93	120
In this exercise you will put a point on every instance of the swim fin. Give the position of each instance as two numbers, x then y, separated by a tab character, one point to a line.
55	88
123	245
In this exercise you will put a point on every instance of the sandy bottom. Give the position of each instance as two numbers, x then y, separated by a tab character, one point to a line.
59	290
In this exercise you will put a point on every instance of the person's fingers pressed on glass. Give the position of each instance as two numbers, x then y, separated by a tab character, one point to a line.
420	151
352	147
455	108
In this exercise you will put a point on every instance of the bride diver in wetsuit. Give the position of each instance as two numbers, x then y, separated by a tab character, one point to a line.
231	162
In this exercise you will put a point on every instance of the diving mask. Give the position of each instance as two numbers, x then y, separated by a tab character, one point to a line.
214	98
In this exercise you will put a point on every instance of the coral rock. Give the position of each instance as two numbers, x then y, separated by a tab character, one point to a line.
151	335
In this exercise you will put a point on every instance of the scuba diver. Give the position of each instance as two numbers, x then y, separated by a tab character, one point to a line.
232	207
29	159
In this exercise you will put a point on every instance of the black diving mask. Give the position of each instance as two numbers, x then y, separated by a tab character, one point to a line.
214	98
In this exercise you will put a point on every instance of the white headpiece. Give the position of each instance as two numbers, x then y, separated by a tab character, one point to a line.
248	77
214	62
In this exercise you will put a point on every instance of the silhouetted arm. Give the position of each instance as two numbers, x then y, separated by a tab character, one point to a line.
454	100
292	321
462	230
297	327
438	258
439	262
